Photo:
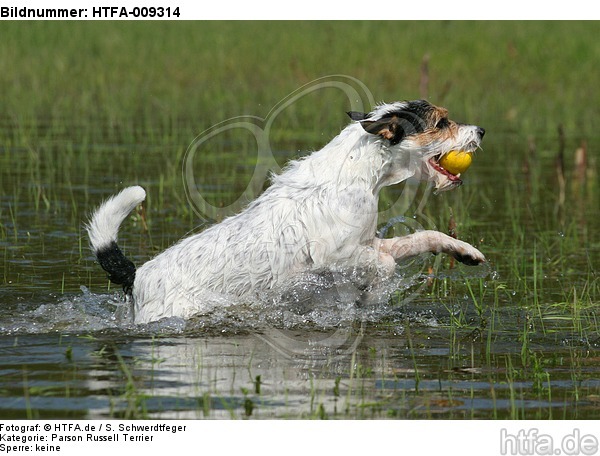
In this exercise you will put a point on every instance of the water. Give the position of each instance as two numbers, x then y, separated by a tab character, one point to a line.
517	338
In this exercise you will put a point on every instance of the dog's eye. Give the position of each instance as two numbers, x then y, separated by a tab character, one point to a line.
442	123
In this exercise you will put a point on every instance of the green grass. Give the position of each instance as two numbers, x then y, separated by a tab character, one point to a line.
145	82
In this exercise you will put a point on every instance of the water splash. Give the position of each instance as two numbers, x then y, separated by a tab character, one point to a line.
87	312
322	301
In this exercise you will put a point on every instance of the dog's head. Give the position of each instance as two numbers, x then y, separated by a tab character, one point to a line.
426	133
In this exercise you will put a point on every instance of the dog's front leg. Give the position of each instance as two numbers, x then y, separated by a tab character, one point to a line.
429	241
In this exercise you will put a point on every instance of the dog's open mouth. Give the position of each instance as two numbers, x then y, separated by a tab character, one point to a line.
436	165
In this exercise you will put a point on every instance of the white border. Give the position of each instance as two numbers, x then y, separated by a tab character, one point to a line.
338	10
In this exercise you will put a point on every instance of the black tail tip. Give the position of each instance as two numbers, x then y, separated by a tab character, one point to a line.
120	270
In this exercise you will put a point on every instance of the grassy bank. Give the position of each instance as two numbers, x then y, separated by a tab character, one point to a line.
132	80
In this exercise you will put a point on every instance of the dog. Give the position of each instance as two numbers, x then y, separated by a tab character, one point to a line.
320	213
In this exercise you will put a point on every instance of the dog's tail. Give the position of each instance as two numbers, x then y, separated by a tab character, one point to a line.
103	229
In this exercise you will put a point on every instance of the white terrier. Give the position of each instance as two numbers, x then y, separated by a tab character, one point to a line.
319	214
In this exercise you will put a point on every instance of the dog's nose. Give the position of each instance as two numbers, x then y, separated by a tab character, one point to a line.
480	132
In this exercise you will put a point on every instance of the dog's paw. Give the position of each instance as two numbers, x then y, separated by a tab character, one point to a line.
467	254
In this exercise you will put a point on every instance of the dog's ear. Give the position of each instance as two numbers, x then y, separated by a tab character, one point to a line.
387	127
390	128
355	115
395	127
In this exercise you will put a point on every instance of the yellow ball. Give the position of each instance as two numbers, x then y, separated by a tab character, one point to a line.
456	161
